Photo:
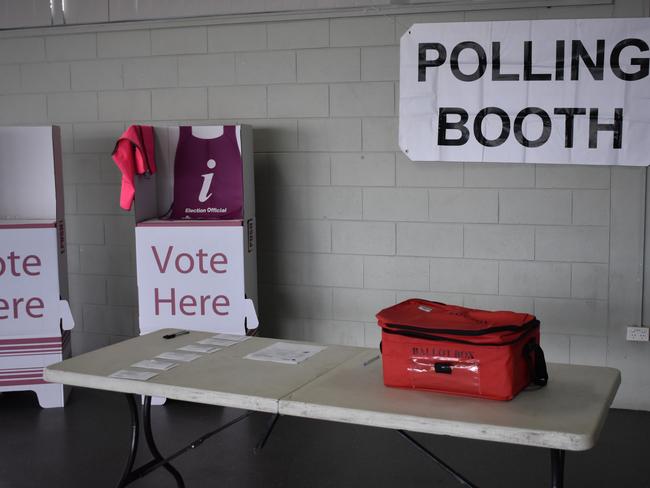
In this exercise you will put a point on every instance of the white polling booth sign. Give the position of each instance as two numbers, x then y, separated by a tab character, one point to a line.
551	91
29	274
191	275
35	317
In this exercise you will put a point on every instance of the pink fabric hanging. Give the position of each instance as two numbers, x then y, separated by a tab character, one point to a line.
134	155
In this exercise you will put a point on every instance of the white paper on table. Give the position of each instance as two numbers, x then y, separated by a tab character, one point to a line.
206	349
133	375
179	356
217	342
285	353
231	337
160	364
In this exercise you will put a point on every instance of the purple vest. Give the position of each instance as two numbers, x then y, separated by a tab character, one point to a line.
208	180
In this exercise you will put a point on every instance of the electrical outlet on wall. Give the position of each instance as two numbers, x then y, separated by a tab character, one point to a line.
639	334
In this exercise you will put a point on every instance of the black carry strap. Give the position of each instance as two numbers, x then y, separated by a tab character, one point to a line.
536	363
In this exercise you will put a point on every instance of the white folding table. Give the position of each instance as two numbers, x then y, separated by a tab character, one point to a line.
344	384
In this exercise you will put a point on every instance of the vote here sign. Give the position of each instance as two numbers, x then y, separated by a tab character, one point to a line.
29	281
553	91
192	277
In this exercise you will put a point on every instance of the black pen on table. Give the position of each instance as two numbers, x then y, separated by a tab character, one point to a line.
371	360
176	334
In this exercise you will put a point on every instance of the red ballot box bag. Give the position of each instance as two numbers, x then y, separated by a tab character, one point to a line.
432	346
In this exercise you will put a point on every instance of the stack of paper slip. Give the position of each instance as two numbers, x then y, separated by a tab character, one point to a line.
159	364
204	348
165	361
179	356
231	337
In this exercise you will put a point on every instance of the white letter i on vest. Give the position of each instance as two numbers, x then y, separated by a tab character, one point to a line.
207	181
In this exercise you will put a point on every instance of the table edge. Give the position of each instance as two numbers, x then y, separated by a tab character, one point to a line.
146	388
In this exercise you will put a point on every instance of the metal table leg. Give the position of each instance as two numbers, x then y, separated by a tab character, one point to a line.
557	464
135	434
460	478
557	468
130	474
260	445
148	434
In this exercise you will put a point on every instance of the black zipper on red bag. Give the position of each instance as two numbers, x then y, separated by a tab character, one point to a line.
499	328
418	335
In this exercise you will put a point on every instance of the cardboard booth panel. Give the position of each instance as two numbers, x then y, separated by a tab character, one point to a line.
195	273
30	300
155	193
35	317
21	366
30	173
192	277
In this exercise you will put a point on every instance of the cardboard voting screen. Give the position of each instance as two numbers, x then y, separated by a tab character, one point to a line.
192	277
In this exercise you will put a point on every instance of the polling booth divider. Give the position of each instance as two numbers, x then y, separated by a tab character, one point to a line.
196	256
35	317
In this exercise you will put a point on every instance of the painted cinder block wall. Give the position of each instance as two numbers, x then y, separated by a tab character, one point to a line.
346	224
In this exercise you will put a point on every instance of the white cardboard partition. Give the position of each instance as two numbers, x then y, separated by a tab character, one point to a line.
194	274
31	173
29	273
35	316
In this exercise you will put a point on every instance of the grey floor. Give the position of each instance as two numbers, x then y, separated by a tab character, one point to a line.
85	445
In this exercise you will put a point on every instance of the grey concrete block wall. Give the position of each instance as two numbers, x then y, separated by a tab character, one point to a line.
347	224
